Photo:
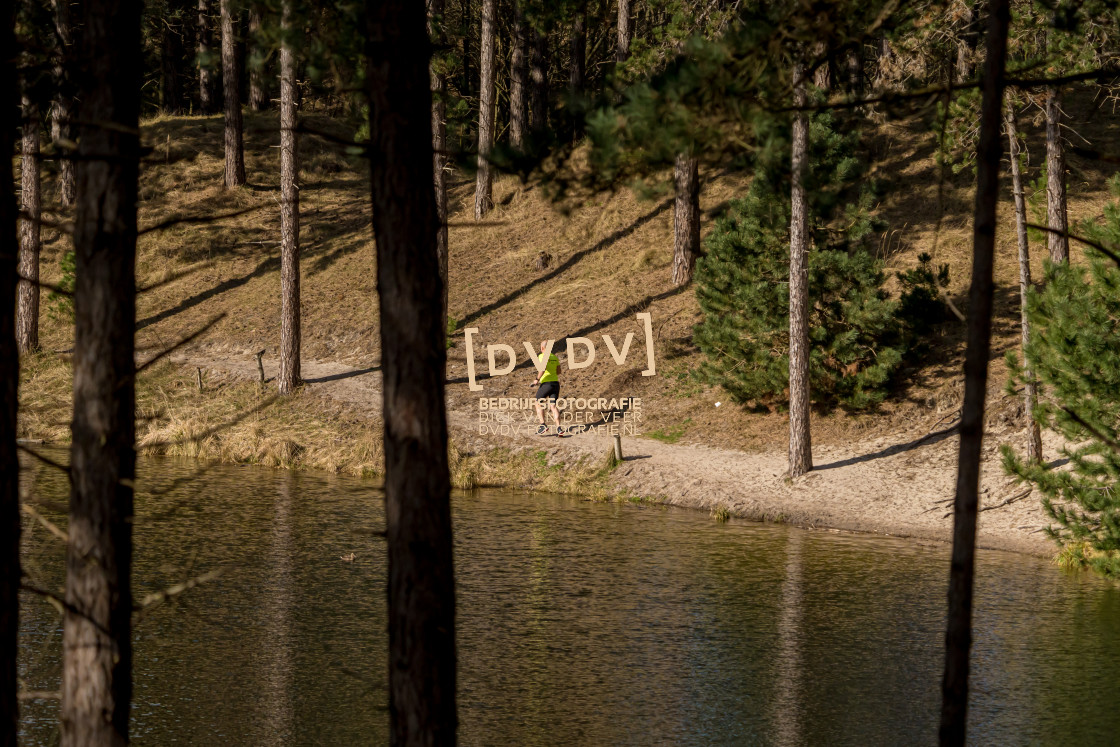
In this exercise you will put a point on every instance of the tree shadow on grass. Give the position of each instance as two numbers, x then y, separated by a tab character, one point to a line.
567	264
268	265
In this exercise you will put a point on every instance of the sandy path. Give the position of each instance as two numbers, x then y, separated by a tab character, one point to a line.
887	485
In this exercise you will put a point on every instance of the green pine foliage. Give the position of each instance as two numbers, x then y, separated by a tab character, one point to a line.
1075	354
858	333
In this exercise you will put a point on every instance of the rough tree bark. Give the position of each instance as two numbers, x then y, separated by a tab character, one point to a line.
484	184
1057	240
9	379
61	127
31	205
800	443
96	639
1030	392
958	635
538	82
439	147
207	94
289	377
258	82
518	80
822	75
231	91
421	584
622	45
686	218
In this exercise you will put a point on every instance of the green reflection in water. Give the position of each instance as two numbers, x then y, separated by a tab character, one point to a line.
579	623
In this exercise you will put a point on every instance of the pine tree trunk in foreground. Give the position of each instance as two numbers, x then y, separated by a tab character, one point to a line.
9	378
439	149
289	377
258	83
206	87
800	442
97	640
622	45
1030	393
484	185
421	582
538	83
61	127
231	87
1058	243
958	634
686	218
518	80
27	316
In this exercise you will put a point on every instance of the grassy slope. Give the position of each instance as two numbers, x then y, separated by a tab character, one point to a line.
610	257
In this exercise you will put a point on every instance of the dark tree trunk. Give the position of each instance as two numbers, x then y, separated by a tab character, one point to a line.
467	81
800	443
9	379
231	85
436	30
97	633
170	91
1030	393
538	83
577	69
686	218
484	184
258	81
519	80
421	582
622	44
61	127
289	376
1057	240
958	635
31	205
207	90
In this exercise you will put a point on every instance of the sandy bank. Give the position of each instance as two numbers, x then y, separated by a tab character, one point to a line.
899	484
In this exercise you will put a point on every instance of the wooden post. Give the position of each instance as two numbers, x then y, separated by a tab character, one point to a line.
618	448
260	366
198	375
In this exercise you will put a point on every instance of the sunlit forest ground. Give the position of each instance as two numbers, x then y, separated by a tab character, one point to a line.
607	258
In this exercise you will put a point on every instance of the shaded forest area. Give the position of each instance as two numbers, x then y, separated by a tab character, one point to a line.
788	188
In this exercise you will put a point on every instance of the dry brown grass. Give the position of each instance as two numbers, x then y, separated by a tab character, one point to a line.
610	257
238	422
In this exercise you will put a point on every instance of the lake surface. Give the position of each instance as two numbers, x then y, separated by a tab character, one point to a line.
579	623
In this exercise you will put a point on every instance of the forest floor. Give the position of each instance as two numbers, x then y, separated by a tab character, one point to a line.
890	470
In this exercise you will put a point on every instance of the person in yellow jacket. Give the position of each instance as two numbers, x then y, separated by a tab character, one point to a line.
548	383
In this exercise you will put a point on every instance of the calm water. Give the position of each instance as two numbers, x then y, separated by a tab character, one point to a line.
579	623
